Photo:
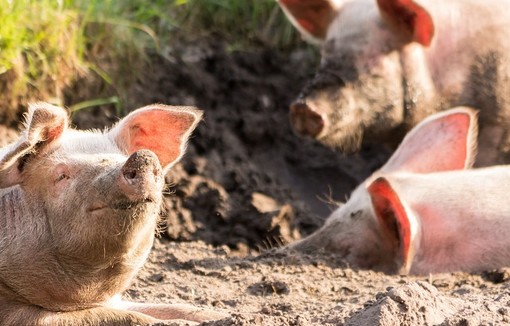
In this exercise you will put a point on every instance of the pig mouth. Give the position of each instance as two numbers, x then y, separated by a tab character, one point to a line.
347	143
122	205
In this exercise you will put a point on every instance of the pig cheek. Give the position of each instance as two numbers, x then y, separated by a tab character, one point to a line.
346	122
383	86
374	101
373	253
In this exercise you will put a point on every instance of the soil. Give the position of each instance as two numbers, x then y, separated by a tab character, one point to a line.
248	184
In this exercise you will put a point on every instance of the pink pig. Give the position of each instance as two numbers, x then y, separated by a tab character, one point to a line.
422	212
78	216
388	64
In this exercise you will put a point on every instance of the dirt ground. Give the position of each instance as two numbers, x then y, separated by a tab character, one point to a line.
248	184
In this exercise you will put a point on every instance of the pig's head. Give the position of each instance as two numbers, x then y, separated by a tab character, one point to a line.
375	229
360	90
86	203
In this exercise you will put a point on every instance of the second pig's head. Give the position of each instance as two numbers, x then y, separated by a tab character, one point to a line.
364	89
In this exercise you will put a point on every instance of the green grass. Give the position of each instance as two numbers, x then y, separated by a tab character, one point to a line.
243	22
46	44
31	38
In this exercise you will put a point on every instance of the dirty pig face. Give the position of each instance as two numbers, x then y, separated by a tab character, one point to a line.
94	194
358	90
95	198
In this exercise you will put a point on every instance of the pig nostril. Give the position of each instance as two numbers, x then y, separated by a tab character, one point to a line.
305	120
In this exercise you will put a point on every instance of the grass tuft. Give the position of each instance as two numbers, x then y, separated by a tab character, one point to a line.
46	45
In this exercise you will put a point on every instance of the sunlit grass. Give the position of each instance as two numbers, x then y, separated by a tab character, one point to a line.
46	44
32	35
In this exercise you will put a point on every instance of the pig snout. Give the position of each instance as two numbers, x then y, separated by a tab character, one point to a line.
140	176
305	120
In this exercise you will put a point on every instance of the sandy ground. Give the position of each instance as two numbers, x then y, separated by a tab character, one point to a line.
248	184
275	290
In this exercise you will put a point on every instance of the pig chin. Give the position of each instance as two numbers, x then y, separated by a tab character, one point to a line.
128	205
127	209
346	141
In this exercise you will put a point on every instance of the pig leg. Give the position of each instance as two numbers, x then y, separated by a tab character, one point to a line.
19	314
127	313
174	311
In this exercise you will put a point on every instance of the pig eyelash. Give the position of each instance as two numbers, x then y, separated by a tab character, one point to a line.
62	177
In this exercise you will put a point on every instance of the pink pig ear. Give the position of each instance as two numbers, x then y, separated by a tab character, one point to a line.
396	225
160	128
408	16
311	17
444	141
44	125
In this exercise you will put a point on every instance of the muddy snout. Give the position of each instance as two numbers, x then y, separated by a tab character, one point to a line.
305	120
141	176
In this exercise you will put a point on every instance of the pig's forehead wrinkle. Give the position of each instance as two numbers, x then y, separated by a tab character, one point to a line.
88	143
84	159
352	17
359	196
357	203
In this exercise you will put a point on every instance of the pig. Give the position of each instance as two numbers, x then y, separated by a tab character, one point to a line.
424	211
388	64
78	216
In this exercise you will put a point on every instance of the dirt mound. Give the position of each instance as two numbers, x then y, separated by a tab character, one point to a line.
420	303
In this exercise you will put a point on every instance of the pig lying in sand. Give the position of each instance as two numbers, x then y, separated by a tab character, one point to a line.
388	64
78	216
422	212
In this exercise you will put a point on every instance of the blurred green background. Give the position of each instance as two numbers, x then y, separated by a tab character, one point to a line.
46	45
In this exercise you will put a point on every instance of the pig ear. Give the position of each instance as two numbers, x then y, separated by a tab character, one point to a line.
396	224
311	17
160	128
444	141
44	125
409	17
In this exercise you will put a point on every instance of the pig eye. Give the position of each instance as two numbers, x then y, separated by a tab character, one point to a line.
61	173
355	215
62	177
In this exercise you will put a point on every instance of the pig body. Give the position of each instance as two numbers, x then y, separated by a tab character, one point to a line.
78	216
422	212
466	228
387	64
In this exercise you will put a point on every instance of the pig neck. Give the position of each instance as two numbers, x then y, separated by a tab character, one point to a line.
457	45
63	281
